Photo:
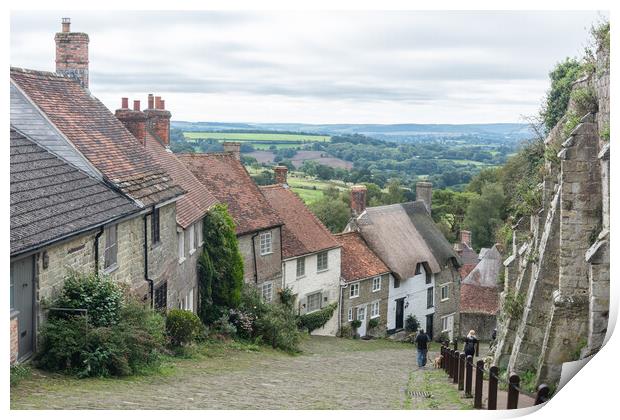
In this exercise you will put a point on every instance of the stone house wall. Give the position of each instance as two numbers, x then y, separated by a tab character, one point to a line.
448	276
269	265
14	339
365	298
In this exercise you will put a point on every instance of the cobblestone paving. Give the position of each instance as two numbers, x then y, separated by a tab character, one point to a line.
331	373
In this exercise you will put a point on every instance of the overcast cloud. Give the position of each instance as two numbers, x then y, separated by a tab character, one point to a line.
318	67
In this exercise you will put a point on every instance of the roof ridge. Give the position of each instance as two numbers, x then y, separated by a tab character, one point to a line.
314	217
40	73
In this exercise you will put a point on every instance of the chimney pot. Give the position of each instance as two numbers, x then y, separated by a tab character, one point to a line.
66	24
163	104
150	101
234	148
124	103
465	237
281	172
424	192
158	102
358	199
136	105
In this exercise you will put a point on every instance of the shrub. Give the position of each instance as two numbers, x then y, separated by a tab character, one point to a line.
317	319
243	322
100	296
442	337
411	323
584	99
222	326
19	372
356	323
373	323
73	344
278	327
346	331
183	327
287	298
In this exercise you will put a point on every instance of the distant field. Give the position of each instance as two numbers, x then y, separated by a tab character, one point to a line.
253	137
266	156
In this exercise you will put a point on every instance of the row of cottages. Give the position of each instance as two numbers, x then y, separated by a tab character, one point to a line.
423	278
95	193
282	243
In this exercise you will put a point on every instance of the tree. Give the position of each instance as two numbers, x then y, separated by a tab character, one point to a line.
556	102
220	267
485	214
395	192
334	213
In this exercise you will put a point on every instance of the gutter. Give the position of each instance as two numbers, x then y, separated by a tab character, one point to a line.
146	258
254	256
97	236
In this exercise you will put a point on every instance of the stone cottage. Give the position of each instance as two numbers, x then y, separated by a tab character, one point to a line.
58	113
151	127
424	266
258	226
480	296
364	294
311	256
58	213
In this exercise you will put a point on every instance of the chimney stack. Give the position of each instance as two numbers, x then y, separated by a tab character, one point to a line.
281	172
158	119
465	237
234	148
72	53
358	199
424	192
133	119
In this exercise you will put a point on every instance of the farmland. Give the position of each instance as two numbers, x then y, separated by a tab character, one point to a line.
259	141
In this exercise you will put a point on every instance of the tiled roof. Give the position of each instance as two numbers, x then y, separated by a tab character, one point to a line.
358	261
479	299
228	180
302	232
197	200
51	199
97	134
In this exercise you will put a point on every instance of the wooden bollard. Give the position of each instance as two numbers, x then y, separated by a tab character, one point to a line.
461	371
493	376
455	342
468	375
513	391
455	372
479	379
477	348
543	394
443	357
449	367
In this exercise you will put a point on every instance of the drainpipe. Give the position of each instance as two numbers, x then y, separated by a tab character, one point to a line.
254	255
342	287
146	258
97	236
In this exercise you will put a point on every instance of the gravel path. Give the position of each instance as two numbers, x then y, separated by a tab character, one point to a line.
331	373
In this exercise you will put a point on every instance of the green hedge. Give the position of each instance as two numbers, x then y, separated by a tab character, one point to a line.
315	320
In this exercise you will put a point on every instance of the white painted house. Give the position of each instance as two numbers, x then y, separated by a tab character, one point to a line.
413	296
310	254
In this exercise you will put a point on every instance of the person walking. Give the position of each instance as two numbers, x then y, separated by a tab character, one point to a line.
422	341
470	343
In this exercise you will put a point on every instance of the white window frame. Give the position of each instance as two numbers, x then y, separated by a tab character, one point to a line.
350	314
192	240
110	252
301	260
376	281
374	313
181	245
443	287
318	259
266	243
199	234
361	313
354	290
445	319
190	300
308	309
267	291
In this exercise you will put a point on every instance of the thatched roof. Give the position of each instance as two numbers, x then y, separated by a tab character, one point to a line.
403	235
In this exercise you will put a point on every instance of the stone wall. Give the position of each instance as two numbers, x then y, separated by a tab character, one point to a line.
14	339
560	260
481	323
365	298
269	265
448	276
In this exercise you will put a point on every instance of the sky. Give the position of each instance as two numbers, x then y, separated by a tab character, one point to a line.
318	67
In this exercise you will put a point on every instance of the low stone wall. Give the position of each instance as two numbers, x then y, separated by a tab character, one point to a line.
14	339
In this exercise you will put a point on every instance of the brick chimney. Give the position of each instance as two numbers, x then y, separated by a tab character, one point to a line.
133	119
465	237
72	53
158	119
233	147
424	192
280	172
358	199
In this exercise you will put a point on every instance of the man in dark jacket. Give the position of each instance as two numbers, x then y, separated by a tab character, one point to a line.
421	342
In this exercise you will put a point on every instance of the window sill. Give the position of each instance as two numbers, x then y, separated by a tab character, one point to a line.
375	316
110	269
353	297
378	290
191	251
314	310
322	271
445	300
266	253
300	277
155	245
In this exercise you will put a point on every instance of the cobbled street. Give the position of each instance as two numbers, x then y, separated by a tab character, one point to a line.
331	373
